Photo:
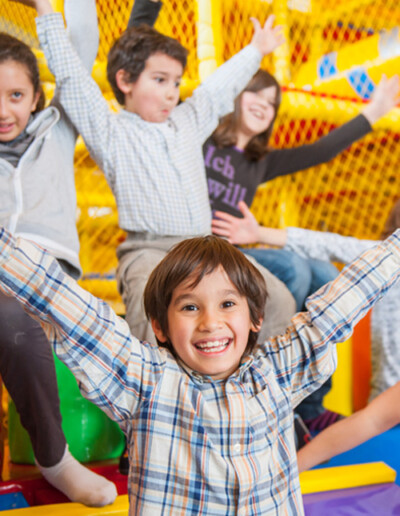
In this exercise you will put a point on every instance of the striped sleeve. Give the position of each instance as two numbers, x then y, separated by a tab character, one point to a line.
304	356
115	371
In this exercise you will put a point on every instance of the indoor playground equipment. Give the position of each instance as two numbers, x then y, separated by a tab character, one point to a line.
335	53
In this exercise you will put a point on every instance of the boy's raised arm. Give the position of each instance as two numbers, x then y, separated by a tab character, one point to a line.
86	334
81	18
215	97
305	356
79	94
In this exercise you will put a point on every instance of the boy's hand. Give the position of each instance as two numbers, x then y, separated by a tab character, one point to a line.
384	98
236	230
42	6
266	39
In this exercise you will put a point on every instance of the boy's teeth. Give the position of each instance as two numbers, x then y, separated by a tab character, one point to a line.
213	345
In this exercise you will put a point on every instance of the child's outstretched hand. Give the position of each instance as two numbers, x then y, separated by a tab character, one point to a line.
237	231
266	39
42	6
384	98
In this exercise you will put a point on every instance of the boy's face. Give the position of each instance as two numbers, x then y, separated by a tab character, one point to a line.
156	92
208	325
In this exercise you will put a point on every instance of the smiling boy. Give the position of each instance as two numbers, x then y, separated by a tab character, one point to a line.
208	413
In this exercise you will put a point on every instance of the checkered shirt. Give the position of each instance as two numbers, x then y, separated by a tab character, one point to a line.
199	446
155	170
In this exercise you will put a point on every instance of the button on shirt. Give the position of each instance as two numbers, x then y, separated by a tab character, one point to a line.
156	171
183	433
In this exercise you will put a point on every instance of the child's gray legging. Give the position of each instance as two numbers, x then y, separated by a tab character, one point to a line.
28	372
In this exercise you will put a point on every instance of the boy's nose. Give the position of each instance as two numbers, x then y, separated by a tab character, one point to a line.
171	93
209	321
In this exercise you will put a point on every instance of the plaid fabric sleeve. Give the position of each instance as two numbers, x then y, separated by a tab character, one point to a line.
305	356
113	369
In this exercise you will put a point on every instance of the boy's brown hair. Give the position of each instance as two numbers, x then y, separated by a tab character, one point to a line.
131	51
192	259
225	134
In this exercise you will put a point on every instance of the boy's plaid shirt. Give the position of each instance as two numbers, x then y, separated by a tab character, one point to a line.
198	446
385	317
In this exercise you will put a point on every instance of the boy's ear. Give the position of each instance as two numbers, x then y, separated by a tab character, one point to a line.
121	78
257	327
158	331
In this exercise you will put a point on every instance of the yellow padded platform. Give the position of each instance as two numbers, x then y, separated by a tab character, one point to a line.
344	477
313	481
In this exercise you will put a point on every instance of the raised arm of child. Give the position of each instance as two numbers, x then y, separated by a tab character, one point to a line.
377	417
334	309
384	99
215	96
79	94
144	11
109	364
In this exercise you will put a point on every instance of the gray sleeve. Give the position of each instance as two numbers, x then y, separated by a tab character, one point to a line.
144	12
82	28
326	246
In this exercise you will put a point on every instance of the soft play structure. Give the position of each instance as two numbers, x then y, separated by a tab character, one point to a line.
334	55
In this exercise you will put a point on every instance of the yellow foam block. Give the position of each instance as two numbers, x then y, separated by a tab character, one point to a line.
119	508
344	477
339	398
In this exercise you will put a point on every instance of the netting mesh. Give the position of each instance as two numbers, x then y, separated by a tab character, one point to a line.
351	194
177	19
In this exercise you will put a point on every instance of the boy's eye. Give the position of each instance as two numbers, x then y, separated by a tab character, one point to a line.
189	308
16	95
228	304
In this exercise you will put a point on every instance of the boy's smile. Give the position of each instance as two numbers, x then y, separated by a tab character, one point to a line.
156	92
209	325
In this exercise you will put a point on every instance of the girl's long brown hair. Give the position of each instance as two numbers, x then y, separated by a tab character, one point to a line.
225	133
